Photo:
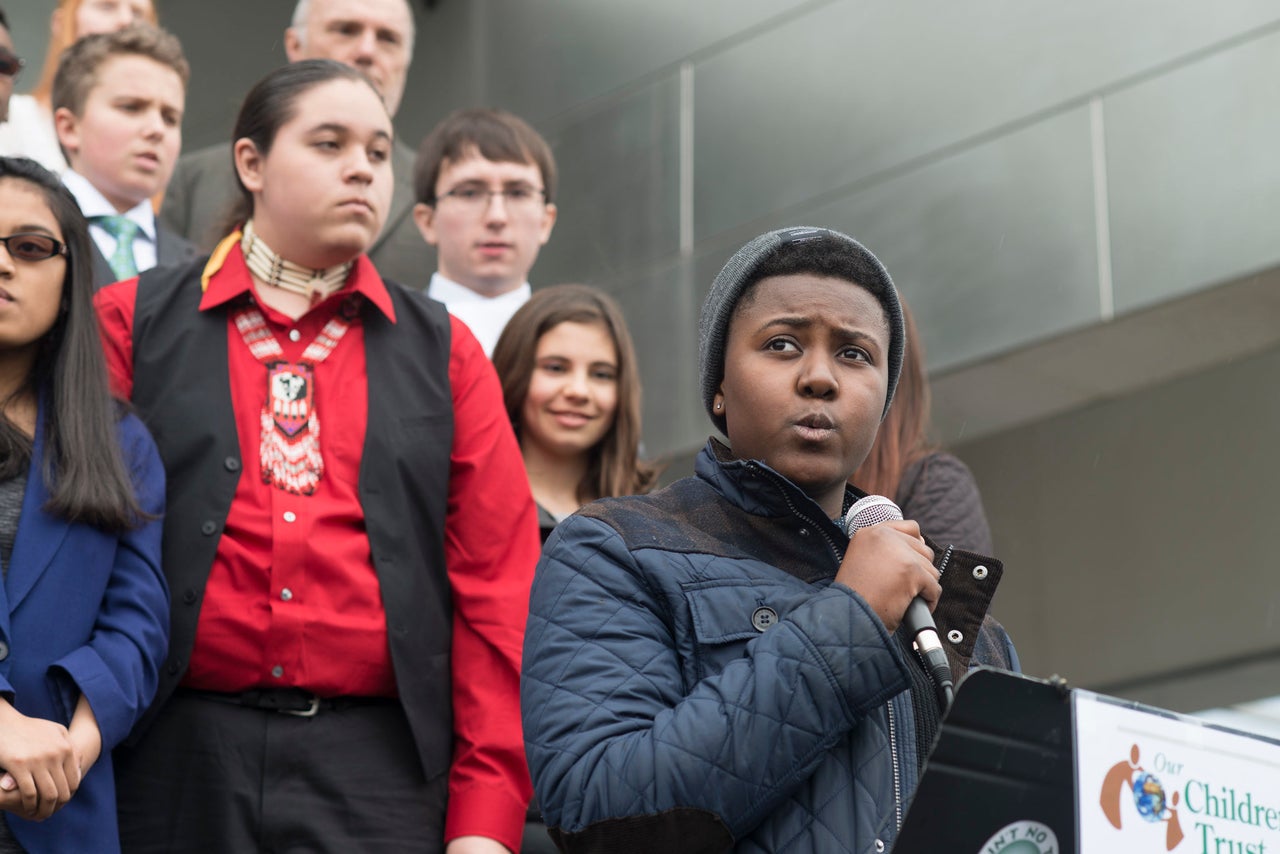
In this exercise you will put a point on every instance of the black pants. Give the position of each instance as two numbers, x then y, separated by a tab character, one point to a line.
214	777
535	840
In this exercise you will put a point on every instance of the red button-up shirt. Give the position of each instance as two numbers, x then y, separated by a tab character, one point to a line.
292	597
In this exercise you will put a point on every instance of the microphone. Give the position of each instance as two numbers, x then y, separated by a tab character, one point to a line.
872	510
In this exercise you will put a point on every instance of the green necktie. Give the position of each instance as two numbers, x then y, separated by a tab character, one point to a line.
124	230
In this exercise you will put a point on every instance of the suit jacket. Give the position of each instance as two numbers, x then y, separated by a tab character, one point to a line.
171	248
83	611
204	188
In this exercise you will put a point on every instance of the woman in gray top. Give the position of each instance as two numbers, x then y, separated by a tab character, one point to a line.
931	486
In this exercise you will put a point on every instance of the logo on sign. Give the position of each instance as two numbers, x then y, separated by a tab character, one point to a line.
1128	778
1022	837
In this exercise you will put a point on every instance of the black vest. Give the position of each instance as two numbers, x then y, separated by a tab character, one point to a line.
182	392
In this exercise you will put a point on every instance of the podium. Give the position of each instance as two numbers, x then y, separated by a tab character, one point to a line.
1027	766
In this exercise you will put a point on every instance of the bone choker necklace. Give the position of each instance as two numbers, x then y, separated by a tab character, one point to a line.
267	265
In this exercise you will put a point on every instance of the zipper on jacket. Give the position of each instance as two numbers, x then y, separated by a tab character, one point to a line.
776	481
897	782
893	730
946	559
942	693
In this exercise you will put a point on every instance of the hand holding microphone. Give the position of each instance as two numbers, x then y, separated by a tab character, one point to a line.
889	565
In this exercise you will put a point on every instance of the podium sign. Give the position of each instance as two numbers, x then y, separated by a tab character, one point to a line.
1025	766
1155	781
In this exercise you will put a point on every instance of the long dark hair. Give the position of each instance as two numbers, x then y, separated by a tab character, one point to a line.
614	466
84	468
903	435
269	106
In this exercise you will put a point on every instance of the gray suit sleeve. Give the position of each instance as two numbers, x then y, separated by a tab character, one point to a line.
200	196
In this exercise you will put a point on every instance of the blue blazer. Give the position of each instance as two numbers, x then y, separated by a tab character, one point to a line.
83	611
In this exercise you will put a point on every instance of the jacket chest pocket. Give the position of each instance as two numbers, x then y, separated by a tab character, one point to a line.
727	615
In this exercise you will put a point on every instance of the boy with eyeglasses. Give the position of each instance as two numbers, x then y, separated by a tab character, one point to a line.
117	108
484	184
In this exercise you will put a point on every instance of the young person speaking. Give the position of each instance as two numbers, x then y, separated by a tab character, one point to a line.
714	667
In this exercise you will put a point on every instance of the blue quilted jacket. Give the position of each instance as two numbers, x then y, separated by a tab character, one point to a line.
694	682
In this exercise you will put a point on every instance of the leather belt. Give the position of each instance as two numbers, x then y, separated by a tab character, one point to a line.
286	701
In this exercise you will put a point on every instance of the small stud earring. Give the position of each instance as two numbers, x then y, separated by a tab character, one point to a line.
719	406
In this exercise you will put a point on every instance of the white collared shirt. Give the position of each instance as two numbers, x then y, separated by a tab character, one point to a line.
29	133
486	317
93	203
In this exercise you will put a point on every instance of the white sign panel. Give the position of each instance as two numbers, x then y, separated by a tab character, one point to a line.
1150	781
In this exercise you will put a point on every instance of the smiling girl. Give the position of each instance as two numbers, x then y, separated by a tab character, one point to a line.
572	391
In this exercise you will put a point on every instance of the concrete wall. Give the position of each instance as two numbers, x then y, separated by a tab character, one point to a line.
1139	537
1025	171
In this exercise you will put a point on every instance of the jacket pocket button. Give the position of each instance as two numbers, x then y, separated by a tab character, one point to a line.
763	617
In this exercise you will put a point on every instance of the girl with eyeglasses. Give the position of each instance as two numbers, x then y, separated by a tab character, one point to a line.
83	603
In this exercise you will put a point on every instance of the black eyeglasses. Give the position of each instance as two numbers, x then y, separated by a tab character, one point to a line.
10	63
474	198
32	246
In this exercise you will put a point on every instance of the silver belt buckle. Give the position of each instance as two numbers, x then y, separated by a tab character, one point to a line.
309	712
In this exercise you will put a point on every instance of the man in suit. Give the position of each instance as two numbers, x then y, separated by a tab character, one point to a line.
375	36
118	100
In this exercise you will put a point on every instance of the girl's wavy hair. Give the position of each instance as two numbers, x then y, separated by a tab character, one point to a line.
903	435
614	467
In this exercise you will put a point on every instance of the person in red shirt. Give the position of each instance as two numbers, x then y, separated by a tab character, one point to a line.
348	602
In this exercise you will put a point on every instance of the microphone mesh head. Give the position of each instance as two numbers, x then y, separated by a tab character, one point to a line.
871	510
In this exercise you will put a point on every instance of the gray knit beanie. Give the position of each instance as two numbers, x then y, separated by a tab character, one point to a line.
713	325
